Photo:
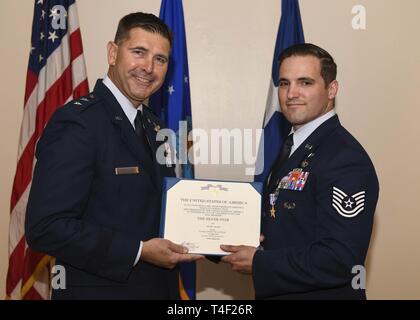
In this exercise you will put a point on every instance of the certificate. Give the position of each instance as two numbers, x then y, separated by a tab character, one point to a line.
203	214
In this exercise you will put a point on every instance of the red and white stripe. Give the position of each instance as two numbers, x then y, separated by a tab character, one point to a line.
62	79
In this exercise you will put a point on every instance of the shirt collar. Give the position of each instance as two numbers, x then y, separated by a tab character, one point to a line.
128	108
301	134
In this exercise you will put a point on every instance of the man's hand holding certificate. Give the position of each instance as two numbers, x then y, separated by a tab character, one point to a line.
202	215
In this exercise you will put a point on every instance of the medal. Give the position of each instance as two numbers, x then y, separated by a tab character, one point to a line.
168	156
273	198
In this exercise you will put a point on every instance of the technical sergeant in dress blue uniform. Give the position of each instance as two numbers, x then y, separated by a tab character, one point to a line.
96	191
319	201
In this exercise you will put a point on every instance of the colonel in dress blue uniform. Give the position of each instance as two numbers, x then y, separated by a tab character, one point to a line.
95	198
319	201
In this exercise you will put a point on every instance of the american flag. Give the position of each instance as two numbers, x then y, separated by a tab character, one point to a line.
56	74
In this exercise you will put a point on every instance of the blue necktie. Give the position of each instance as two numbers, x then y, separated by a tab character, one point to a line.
281	159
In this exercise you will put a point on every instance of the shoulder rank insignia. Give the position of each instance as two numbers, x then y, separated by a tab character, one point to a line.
84	102
348	206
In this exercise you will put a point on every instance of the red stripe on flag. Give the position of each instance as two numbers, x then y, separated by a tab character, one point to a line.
23	174
82	89
55	97
76	47
16	267
32	259
31	81
33	295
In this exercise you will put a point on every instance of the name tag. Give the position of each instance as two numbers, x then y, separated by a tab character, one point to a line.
127	170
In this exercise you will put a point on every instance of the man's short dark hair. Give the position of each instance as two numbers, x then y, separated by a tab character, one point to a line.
328	66
146	21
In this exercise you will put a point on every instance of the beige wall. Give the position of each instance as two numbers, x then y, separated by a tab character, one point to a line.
230	46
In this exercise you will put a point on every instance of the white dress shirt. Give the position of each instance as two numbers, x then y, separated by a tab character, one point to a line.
128	108
305	131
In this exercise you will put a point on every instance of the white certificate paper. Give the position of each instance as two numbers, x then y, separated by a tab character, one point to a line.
202	215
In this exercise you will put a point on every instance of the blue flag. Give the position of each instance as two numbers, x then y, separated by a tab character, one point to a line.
276	127
173	103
